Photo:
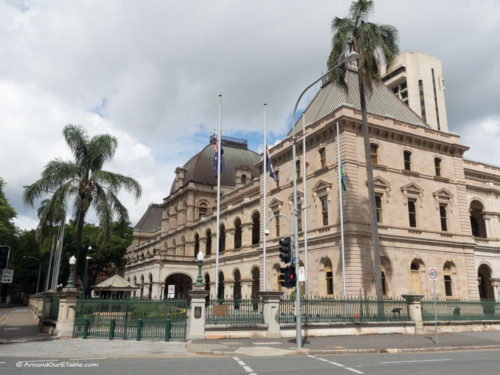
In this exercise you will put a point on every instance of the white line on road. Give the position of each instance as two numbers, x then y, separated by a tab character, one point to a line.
12	329
266	343
245	367
86	359
41	360
421	360
337	364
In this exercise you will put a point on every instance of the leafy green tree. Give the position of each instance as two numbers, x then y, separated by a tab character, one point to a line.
85	181
8	230
373	43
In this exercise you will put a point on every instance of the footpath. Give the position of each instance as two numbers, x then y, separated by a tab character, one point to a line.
19	337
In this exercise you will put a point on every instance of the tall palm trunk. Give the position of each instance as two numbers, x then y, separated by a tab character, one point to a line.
371	191
79	235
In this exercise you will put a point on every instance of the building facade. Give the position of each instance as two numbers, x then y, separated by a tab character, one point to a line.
434	209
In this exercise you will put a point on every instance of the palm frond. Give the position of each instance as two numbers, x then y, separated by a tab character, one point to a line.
115	181
101	149
77	140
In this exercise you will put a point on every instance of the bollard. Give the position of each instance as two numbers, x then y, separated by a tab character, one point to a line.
112	329
167	330
139	329
85	327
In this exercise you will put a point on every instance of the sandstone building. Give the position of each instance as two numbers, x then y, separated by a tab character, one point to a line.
434	208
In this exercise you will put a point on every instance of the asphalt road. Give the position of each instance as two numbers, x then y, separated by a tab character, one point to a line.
444	363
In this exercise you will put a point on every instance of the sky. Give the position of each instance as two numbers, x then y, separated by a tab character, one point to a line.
150	72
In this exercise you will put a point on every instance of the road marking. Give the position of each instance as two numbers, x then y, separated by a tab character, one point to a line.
20	311
12	329
245	367
266	343
337	364
3	317
420	360
86	359
41	360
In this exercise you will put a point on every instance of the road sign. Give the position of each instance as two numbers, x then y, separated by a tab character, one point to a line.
433	273
302	274
7	276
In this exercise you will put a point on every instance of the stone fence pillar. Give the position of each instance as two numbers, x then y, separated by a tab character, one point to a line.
67	308
271	311
47	296
415	310
198	314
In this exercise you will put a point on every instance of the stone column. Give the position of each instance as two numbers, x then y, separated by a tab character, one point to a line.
415	310
67	307
229	289
198	314
495	282
246	288
271	310
48	295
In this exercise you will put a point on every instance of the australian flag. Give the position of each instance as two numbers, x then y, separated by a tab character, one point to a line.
269	165
216	155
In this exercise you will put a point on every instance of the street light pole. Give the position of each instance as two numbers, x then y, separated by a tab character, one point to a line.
39	269
89	249
350	57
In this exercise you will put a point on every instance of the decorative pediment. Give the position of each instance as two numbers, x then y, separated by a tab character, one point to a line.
412	190
443	196
321	188
300	199
382	186
275	204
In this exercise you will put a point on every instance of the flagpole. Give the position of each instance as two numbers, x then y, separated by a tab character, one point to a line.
264	161
218	145
304	207
341	210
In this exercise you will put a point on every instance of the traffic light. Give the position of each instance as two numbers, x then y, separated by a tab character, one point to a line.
4	257
288	278
286	250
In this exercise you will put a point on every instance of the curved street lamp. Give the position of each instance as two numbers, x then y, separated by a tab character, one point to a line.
349	57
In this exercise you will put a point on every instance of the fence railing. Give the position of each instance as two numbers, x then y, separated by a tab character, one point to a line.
334	309
131	319
234	311
461	310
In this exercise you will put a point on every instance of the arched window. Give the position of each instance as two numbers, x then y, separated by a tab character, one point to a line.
328	276
237	233
196	245
477	223
416	285
484	283
374	153
220	291
203	209
244	179
208	246
237	285
255	228
150	294
448	270
255	283
222	238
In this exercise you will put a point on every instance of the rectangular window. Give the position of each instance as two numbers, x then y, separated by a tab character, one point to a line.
374	153
447	286
443	217
297	168
329	283
412	212
378	207
277	174
437	166
384	284
407	160
277	224
322	156
324	210
299	217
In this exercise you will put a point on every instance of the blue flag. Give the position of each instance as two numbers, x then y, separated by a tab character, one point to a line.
342	178
269	165
216	155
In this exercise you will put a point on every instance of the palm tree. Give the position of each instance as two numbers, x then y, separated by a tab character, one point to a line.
86	182
372	42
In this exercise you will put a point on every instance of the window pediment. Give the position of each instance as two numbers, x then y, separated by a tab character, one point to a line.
443	196
276	204
412	190
322	187
381	186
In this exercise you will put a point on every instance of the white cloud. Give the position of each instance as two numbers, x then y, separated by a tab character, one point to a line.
483	138
150	73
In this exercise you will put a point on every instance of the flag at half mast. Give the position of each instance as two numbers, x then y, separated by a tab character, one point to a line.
342	177
216	155
269	165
